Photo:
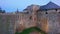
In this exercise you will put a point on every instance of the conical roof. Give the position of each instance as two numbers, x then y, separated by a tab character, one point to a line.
50	5
30	7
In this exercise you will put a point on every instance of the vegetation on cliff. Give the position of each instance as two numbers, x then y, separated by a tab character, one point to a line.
29	30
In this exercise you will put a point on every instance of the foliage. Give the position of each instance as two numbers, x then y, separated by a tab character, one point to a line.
28	30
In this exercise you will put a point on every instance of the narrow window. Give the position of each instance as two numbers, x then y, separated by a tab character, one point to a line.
56	9
30	17
45	9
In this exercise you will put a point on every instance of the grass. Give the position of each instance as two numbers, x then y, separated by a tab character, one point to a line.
28	30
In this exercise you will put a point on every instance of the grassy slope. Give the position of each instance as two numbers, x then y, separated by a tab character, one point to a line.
28	30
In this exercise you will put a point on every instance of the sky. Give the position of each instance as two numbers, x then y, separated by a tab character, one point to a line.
12	5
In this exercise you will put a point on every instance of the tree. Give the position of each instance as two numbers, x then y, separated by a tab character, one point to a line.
2	11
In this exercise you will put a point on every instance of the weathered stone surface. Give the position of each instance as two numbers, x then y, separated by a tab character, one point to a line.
7	23
46	20
35	32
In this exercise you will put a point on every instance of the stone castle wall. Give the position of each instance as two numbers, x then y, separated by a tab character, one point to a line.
8	23
49	22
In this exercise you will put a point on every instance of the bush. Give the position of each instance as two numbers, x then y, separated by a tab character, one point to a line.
28	30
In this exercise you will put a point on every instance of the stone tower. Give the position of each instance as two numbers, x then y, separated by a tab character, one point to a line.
35	8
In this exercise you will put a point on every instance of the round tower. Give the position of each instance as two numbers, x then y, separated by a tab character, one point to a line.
35	9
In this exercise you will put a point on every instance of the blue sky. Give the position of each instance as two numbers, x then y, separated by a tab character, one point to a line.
12	5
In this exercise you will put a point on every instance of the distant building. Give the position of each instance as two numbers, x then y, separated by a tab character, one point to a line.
46	17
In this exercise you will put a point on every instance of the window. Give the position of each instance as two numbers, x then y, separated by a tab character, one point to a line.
30	17
45	9
27	12
59	12
56	9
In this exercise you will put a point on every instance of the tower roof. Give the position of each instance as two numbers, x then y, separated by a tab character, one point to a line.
50	5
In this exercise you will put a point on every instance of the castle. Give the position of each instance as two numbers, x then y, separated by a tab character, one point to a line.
46	17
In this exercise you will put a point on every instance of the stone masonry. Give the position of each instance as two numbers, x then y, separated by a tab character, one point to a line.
47	18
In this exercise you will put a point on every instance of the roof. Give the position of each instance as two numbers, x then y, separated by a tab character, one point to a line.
50	5
30	7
